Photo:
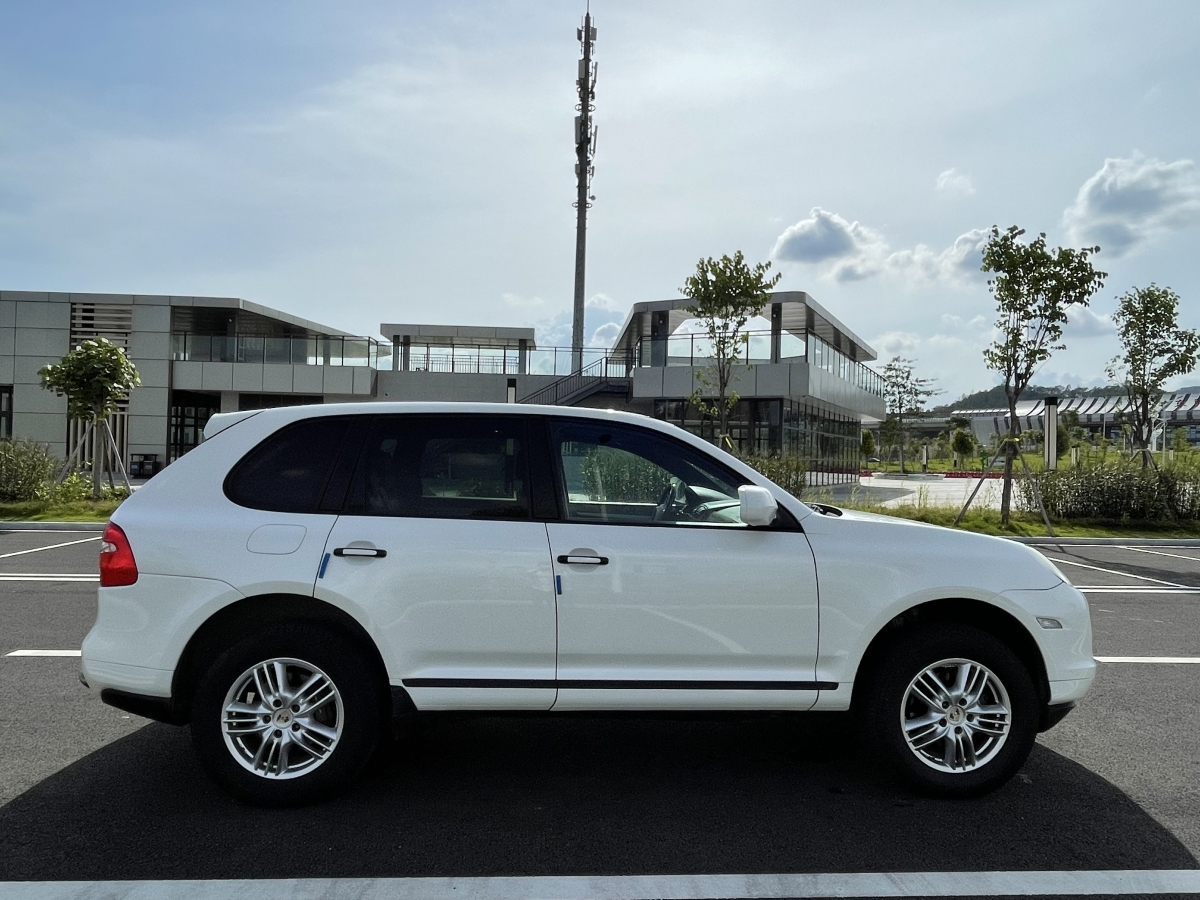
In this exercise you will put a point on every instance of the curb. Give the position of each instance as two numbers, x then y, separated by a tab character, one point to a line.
1106	541
14	525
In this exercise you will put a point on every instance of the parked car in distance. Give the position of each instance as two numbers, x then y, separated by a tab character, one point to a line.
308	573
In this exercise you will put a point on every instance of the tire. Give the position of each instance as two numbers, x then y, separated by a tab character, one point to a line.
293	746
985	727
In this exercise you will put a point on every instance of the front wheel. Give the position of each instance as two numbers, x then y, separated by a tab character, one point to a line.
287	716
952	709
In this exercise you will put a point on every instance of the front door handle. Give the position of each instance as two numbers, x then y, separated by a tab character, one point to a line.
360	551
572	559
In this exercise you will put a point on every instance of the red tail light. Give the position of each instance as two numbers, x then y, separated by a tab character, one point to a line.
117	566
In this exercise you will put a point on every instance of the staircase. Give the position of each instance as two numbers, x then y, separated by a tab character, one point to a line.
608	374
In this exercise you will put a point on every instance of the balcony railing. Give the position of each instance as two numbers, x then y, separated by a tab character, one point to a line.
296	351
690	349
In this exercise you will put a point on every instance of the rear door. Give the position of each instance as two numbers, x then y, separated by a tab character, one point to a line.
438	549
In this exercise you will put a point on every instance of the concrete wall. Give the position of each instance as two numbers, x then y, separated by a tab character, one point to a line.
455	386
34	332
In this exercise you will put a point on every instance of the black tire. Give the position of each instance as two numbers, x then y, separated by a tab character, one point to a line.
356	709
887	703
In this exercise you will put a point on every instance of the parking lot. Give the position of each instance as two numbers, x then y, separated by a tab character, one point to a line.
91	793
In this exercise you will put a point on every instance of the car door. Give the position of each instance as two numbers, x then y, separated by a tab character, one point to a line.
667	600
438	549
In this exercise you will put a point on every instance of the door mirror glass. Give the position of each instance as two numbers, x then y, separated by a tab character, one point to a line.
758	506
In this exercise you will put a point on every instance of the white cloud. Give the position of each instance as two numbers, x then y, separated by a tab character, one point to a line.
1082	322
896	343
602	319
517	300
850	251
954	183
959	322
605	335
1131	200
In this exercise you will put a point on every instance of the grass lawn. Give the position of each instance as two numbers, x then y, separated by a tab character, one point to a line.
75	511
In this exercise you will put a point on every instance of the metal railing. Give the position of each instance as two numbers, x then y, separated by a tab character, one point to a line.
255	348
600	371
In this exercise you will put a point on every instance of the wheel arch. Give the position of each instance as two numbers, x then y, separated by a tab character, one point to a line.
984	616
230	623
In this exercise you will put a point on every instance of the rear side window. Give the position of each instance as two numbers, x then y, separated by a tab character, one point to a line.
288	471
446	467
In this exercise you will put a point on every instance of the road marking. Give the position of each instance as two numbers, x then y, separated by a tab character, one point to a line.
51	547
1135	590
1071	562
43	653
633	887
46	576
1161	553
1149	659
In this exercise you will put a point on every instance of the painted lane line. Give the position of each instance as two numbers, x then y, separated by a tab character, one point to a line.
1135	590
45	576
632	887
1160	553
43	653
51	547
1071	562
1165	660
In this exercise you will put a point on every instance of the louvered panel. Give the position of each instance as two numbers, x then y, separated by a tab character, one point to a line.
113	321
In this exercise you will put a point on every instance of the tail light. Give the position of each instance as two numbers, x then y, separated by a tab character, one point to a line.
117	566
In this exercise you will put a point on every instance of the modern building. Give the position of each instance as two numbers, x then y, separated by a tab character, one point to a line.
804	387
1101	416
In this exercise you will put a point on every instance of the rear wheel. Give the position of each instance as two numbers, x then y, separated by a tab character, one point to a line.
952	709
287	716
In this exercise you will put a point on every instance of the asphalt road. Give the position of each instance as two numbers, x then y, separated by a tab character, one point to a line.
88	792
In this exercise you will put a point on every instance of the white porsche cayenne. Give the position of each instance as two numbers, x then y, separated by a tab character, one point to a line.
308	574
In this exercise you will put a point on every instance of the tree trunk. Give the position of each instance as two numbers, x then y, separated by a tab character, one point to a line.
1010	448
97	450
900	426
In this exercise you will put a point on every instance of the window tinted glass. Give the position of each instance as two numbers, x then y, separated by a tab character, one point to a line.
289	470
619	474
443	467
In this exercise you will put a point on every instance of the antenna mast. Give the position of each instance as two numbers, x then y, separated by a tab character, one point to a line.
585	151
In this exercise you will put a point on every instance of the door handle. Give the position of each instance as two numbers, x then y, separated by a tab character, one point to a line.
572	559
360	551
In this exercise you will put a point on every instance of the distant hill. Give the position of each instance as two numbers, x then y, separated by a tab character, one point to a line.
993	397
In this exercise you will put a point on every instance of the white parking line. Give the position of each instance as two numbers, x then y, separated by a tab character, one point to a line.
43	653
1173	660
1071	562
1110	589
633	887
1160	553
46	576
50	547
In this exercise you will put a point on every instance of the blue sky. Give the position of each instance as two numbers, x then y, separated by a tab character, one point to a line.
368	162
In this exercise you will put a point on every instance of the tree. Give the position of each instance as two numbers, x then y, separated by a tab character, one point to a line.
95	377
1034	287
867	445
904	395
1153	349
725	294
962	443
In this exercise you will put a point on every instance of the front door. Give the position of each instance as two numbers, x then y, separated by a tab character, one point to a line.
437	548
667	599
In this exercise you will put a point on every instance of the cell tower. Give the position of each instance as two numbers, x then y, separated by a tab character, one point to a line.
585	152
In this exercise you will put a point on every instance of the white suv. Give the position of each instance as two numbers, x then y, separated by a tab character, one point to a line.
309	573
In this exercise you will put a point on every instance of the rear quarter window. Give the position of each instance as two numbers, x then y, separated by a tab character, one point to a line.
289	471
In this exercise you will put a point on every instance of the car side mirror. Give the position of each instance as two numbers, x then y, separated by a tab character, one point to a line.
758	506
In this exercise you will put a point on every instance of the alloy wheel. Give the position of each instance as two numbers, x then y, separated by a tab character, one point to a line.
956	715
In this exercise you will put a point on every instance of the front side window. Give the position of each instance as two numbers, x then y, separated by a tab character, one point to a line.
617	474
443	467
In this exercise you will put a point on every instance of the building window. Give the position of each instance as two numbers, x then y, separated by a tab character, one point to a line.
190	412
6	411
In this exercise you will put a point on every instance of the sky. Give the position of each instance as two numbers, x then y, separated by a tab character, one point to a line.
371	162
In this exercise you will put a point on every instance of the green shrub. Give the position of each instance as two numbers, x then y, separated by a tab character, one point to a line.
789	472
77	488
25	470
1116	493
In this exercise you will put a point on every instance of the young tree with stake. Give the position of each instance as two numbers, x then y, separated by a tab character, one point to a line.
1153	349
1034	287
725	294
95	377
904	395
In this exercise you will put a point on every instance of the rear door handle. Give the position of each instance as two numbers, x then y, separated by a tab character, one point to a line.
360	551
571	559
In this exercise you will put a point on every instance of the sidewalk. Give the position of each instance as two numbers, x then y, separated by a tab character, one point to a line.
948	492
